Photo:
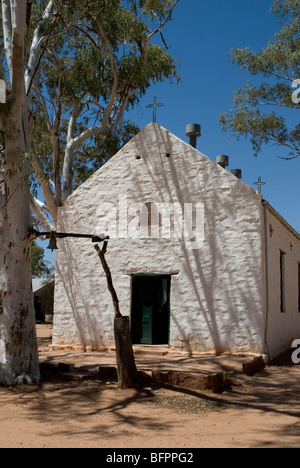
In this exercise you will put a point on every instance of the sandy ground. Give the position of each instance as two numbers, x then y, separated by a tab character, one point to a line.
260	411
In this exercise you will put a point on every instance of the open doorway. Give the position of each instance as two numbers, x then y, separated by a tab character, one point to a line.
150	314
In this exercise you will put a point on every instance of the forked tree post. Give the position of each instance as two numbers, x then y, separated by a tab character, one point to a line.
127	371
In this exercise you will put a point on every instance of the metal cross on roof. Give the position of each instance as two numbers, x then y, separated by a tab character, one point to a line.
154	106
259	183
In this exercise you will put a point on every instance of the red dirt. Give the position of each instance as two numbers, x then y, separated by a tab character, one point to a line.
259	411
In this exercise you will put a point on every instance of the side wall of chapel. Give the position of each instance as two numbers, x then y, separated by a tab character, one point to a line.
283	316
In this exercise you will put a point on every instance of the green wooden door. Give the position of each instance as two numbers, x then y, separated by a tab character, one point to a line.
150	317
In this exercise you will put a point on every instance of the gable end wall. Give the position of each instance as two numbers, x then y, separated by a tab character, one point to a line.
217	298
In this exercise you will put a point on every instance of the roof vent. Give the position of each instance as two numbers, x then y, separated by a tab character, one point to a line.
237	173
193	131
223	161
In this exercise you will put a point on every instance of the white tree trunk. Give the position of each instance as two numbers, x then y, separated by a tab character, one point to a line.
18	344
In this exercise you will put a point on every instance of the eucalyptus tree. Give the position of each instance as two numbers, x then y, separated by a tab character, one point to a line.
85	83
40	267
114	36
269	112
18	348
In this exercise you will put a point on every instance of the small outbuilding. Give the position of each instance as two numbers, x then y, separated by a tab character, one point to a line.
43	293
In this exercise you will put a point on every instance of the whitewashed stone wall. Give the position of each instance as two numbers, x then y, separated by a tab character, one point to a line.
282	327
217	291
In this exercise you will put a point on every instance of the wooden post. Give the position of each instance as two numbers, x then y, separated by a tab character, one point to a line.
127	371
110	285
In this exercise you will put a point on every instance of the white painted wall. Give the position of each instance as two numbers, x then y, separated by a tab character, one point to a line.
217	298
282	328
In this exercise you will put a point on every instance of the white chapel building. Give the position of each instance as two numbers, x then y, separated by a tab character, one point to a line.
198	259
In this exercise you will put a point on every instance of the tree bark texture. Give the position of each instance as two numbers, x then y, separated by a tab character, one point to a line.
109	280
18	344
127	372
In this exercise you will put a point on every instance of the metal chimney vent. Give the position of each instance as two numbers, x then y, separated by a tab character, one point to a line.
193	131
223	161
237	173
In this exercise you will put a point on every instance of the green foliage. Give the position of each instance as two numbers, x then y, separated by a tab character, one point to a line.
100	150
260	111
95	46
39	266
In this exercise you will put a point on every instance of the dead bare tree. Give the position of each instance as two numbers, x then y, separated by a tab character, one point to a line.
127	371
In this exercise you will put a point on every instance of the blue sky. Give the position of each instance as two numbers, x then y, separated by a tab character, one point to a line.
200	37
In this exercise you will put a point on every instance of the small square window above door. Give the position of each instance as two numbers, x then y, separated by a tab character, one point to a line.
150	314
